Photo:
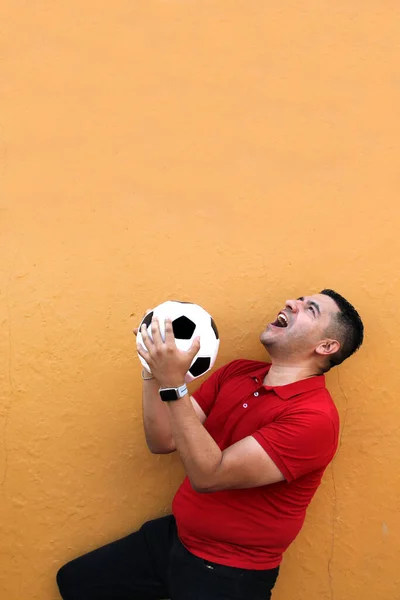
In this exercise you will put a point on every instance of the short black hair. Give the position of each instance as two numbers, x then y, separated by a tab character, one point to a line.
347	327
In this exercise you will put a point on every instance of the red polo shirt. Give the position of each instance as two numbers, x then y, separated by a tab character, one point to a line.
298	426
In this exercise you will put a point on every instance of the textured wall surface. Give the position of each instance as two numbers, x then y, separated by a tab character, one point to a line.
230	153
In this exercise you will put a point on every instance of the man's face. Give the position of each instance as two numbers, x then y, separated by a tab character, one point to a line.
300	326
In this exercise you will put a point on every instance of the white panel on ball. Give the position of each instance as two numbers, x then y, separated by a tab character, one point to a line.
188	321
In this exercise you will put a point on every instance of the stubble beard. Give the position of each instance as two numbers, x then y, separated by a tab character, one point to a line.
284	349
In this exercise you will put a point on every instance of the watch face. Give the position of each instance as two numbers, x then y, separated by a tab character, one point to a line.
168	395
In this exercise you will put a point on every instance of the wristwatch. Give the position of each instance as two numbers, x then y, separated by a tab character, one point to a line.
168	394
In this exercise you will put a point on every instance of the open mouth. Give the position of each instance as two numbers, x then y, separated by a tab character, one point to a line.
281	320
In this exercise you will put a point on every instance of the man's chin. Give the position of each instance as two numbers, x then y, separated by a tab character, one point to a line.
272	336
266	338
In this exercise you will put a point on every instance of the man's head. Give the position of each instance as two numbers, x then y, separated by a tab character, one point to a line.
320	331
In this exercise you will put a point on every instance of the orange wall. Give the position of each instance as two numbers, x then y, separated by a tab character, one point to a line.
229	153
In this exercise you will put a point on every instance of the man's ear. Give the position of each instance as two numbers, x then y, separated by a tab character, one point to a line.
328	346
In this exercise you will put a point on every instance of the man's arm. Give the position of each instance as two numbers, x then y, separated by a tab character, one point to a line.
243	465
156	422
157	428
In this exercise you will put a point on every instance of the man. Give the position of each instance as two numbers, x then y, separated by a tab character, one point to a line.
254	440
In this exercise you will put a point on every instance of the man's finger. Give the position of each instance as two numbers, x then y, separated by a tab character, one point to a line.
169	332
155	331
147	311
147	341
194	348
143	353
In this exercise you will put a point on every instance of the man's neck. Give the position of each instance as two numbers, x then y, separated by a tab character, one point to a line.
284	374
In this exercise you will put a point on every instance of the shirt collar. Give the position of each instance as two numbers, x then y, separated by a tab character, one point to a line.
298	387
285	392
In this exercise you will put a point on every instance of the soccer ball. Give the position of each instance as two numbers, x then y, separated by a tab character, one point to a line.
188	321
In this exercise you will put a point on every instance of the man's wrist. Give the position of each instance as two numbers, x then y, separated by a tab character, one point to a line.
174	385
174	380
171	393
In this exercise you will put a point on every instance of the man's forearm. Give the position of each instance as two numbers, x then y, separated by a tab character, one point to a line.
156	420
199	453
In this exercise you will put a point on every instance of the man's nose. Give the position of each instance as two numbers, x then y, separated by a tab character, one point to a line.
293	305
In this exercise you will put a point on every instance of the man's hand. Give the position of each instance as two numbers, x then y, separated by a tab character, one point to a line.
168	364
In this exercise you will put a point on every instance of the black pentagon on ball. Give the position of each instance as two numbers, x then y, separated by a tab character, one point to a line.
183	328
200	366
147	320
213	325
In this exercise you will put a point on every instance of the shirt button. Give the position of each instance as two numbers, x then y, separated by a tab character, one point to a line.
245	405
256	394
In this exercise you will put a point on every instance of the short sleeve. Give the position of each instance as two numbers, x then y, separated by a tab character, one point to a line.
299	442
207	393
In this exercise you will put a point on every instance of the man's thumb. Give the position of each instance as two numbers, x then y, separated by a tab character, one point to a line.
195	347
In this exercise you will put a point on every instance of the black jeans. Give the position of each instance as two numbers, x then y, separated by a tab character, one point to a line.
152	564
